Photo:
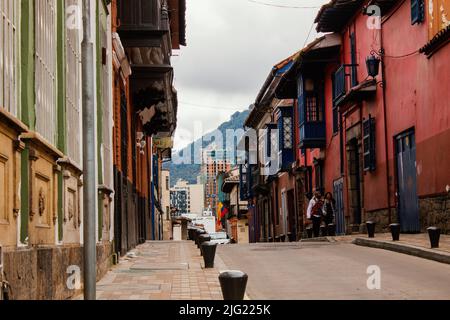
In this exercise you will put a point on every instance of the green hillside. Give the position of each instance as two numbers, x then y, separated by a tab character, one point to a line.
189	172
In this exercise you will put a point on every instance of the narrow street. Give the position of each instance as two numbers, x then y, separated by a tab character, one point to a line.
308	141
334	271
277	271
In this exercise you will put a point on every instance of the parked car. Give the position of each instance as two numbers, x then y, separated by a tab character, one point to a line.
219	238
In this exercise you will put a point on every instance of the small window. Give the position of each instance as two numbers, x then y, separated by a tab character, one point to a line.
417	11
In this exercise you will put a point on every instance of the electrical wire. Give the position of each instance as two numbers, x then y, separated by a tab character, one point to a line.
309	34
402	56
283	6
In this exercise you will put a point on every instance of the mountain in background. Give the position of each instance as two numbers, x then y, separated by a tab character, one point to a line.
190	172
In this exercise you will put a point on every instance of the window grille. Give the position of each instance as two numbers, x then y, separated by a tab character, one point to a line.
8	55
73	89
45	63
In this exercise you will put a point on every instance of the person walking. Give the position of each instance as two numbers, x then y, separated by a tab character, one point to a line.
329	208
315	206
314	212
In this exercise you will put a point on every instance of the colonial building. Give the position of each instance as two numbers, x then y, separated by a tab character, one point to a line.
145	113
370	122
41	168
41	159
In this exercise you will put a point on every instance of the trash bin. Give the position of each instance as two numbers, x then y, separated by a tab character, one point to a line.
316	225
331	229
370	229
434	233
203	238
209	253
233	284
283	238
309	232
395	231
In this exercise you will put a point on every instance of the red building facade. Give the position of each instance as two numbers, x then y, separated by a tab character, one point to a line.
372	116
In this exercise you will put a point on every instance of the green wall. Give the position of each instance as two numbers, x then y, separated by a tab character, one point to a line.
27	101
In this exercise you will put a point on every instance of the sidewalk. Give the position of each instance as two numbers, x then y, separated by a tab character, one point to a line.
412	244
162	270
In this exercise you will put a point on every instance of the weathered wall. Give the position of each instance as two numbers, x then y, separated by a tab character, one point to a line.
41	273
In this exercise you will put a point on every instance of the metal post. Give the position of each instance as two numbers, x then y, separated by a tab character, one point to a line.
89	192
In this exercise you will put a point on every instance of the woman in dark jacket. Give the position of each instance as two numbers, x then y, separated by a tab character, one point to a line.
329	208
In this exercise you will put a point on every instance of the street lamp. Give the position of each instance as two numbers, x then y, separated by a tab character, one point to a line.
373	65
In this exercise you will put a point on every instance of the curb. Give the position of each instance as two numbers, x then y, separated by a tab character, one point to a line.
319	239
411	250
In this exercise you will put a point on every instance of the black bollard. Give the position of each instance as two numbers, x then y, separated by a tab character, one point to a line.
316	225
201	239
331	230
370	229
197	235
291	237
434	233
323	231
309	232
233	284
395	231
209	253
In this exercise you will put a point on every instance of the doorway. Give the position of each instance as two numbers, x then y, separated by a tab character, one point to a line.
408	203
338	187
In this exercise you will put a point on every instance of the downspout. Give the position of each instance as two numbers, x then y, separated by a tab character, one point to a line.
386	140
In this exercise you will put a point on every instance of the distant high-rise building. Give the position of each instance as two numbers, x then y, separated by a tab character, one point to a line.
187	198
214	162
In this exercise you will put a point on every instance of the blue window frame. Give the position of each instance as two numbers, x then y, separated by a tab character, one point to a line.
339	87
311	113
417	11
285	137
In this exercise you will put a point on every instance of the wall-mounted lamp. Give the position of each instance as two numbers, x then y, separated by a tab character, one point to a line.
373	65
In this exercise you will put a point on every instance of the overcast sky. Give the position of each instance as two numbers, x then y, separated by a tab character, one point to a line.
231	48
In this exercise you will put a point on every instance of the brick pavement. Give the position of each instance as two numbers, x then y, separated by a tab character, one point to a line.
162	270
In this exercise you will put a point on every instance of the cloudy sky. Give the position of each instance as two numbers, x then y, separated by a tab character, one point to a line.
232	46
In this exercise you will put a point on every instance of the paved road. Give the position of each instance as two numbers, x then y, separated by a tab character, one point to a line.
334	271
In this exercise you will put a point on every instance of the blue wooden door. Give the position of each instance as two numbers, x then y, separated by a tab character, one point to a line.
408	203
339	197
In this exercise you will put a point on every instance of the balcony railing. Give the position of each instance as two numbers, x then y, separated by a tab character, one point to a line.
143	16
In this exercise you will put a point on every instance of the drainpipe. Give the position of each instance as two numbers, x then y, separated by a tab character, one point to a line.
386	140
89	192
